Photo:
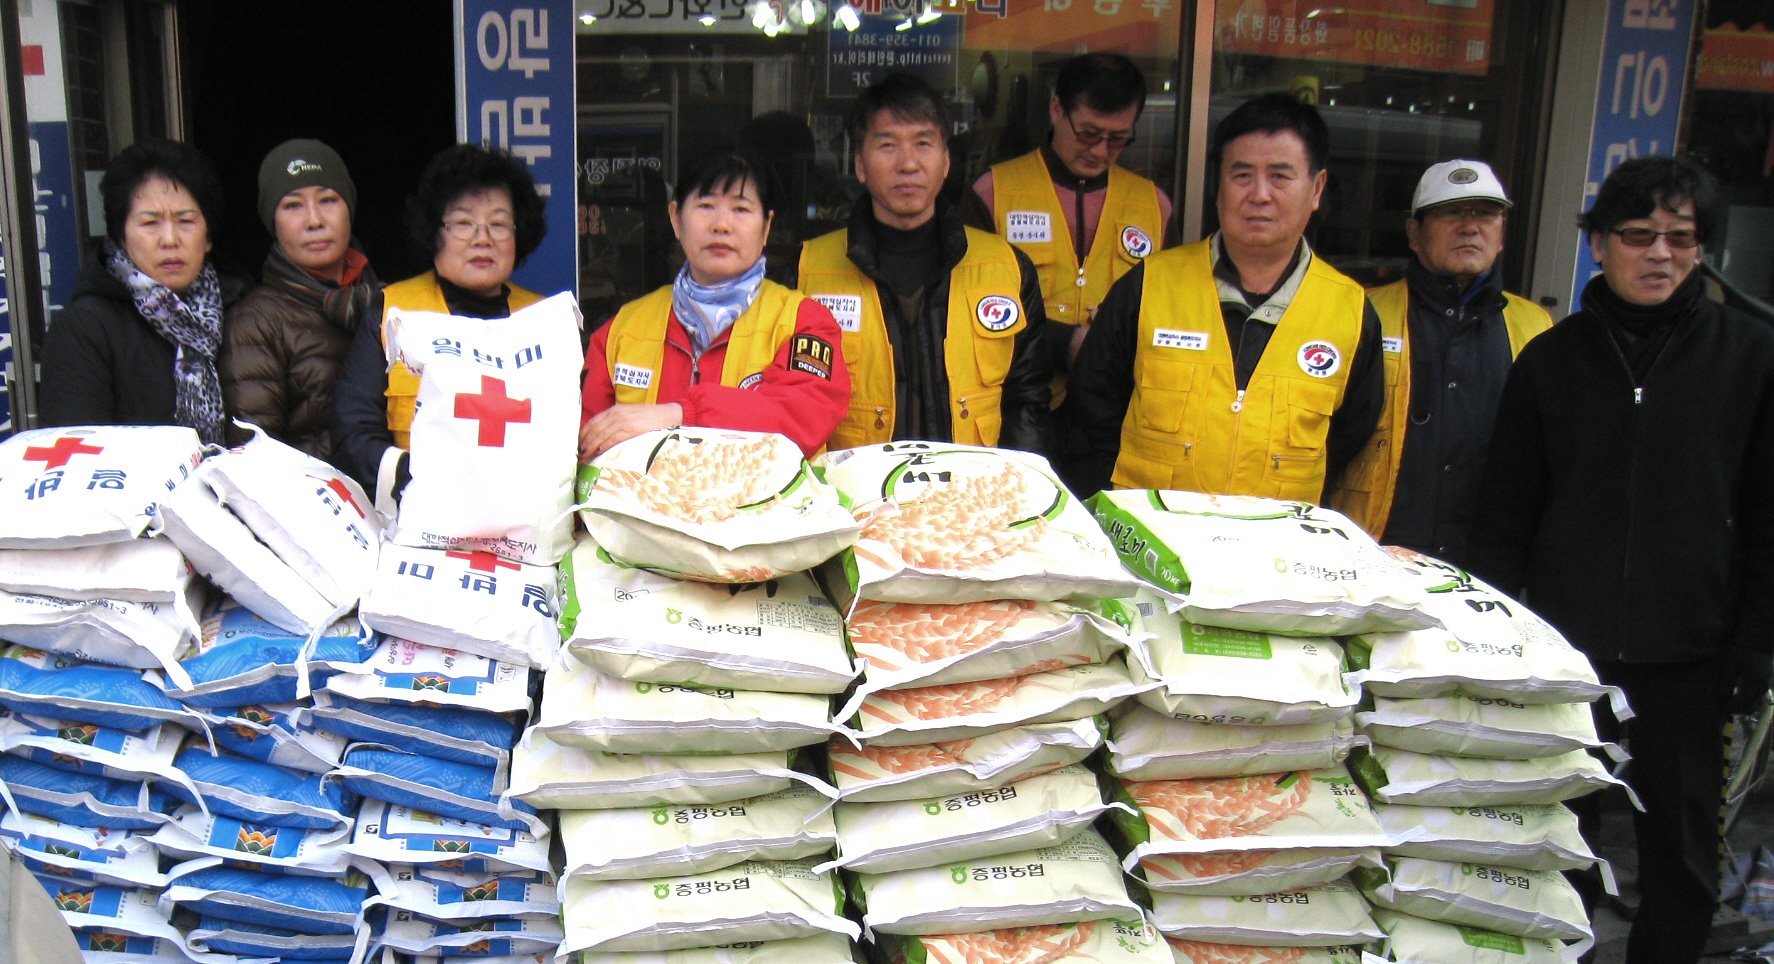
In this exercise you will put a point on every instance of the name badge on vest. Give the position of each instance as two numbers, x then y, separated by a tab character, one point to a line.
630	376
1171	338
847	309
1392	346
1028	227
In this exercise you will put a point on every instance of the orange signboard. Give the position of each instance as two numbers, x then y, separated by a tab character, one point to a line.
1734	59
1135	28
1449	36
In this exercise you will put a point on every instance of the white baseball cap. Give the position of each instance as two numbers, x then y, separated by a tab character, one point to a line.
1457	180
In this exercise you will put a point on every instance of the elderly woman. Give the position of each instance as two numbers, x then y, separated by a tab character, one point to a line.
477	216
722	346
137	343
285	341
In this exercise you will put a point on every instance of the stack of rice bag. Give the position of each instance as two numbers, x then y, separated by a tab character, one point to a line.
964	814
699	666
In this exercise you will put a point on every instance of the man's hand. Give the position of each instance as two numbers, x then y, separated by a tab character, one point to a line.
621	422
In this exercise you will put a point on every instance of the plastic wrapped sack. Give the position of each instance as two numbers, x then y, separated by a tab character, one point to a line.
307	904
453	734
1414	940
1131	941
119	858
1145	744
90	485
957	523
754	901
1186	951
244	658
1418	779
389	833
480	939
456	895
958	711
1482	726
223	936
191	833
139	635
1078	880
781	634
475	602
669	840
138	570
459	790
1540	836
497	415
402	671
870	773
1041	811
89	748
823	948
260	793
313	516
276	733
1249	873
40	683
1261	564
1509	900
114	910
553	775
84	800
713	505
584	707
1330	915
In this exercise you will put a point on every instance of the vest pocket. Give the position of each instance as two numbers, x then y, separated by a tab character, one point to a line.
978	418
992	350
1164	392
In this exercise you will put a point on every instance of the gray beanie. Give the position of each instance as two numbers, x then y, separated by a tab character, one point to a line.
297	164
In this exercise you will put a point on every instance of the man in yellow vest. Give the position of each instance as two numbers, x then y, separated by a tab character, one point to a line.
1081	218
1449	334
943	327
1241	364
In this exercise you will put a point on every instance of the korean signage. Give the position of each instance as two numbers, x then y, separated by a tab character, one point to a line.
1733	58
1137	28
1448	36
1639	100
860	57
695	17
514	90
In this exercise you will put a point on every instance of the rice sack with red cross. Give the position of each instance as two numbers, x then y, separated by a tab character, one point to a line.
495	435
88	485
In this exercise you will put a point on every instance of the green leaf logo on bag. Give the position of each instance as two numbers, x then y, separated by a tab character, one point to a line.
662	816
933	809
661	891
958	874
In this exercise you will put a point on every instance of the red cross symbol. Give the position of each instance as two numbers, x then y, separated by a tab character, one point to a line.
483	561
492	408
344	492
57	455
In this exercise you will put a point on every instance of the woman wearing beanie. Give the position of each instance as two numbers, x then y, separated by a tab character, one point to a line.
285	341
137	343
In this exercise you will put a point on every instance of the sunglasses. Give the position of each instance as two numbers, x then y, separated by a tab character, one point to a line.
1645	237
1091	137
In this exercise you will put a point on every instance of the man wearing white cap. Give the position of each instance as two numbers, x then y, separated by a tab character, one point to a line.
1449	333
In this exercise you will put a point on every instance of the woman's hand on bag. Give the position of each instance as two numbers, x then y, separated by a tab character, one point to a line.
623	421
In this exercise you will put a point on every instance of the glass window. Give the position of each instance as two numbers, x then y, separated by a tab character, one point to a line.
1732	133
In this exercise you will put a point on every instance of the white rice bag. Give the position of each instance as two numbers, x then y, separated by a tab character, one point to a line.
1041	811
715	505
1509	900
781	634
1416	940
497	415
1538	836
957	711
1186	951
674	839
822	948
584	707
552	775
120	858
486	938
89	485
475	602
1248	873
455	895
139	635
1261	564
1482	726
1329	915
760	900
189	833
1074	881
1400	776
872	772
1130	941
402	671
1145	744
137	570
392	834
959	523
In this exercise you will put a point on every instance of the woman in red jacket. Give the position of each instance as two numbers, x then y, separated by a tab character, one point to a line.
722	346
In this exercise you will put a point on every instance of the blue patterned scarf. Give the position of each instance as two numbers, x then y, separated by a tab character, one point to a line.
707	310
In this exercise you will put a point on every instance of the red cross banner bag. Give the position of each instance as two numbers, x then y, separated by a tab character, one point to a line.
495	437
85	486
475	602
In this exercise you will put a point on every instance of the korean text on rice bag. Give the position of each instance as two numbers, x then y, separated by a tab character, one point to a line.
1186	951
87	486
761	900
191	833
402	671
1525	903
1538	836
872	772
315	517
1130	941
713	505
1078	880
1400	776
1481	726
51	684
1329	915
553	775
1260	564
823	948
1415	940
669	840
393	834
140	635
1145	744
121	858
497	415
475	602
957	711
780	634
243	658
139	570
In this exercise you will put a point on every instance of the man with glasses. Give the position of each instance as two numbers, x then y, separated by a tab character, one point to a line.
1082	219
1449	333
1626	497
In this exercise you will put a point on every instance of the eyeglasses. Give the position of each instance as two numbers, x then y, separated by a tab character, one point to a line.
1645	237
1483	215
1092	137
466	230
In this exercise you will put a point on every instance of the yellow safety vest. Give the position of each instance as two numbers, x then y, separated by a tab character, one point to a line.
421	293
637	340
1187	426
985	313
1365	491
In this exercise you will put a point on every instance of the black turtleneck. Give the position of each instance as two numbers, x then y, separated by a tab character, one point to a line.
470	305
1642	331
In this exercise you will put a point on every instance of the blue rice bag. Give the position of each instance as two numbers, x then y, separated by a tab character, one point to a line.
83	800
37	683
263	794
277	733
243	659
257	940
311	905
459	790
464	736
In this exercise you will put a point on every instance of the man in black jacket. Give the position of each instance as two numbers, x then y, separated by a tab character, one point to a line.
1626	498
943	324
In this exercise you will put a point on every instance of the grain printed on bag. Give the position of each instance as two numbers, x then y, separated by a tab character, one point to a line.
872	772
957	711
